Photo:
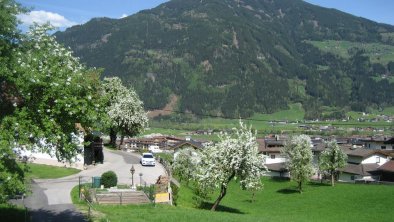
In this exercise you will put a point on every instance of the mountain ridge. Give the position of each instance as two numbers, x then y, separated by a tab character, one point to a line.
235	58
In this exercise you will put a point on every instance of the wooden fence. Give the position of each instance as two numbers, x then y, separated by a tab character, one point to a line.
127	197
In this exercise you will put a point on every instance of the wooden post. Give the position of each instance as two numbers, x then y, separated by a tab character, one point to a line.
79	186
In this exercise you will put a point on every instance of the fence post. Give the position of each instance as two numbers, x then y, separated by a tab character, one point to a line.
121	198
169	189
79	186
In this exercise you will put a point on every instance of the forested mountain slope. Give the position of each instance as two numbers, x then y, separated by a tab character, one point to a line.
235	58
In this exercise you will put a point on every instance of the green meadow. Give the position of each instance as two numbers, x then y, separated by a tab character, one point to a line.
278	201
378	53
41	171
271	123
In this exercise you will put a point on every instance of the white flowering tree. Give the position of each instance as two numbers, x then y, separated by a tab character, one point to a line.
54	92
125	110
332	159
47	91
233	157
186	163
299	159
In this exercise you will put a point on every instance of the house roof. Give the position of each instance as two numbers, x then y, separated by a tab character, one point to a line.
270	149
277	167
263	147
274	142
363	153
388	167
342	140
319	147
360	169
385	140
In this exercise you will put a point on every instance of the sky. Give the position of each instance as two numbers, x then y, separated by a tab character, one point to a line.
66	13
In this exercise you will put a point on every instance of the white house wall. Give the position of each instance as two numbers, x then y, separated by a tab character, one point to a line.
373	159
268	160
45	158
347	177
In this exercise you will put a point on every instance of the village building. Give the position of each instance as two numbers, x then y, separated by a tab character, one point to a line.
386	171
363	164
382	143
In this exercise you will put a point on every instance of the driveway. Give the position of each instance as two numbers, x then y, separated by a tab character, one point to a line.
51	199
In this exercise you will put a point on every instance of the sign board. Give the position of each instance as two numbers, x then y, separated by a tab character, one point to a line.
162	197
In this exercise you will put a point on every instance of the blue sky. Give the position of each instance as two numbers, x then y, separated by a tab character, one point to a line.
376	10
65	13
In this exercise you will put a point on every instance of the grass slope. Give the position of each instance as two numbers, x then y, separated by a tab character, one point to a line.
377	52
278	201
40	171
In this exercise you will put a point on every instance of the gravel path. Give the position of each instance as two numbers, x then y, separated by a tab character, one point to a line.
51	199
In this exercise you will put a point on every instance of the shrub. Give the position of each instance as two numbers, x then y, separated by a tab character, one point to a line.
148	190
200	196
175	191
109	179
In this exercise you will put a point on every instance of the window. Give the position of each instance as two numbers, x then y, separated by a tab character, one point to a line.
352	177
383	147
272	156
377	159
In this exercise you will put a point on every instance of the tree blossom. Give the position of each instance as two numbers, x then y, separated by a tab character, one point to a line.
332	159
186	162
124	108
299	159
48	103
233	157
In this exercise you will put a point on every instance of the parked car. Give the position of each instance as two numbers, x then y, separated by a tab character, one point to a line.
148	159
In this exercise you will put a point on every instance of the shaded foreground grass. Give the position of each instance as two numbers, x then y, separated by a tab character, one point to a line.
12	213
276	202
40	171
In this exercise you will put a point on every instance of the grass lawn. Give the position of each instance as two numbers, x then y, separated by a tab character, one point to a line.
278	201
40	171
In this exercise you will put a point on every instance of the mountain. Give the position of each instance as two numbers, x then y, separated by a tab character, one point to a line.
238	57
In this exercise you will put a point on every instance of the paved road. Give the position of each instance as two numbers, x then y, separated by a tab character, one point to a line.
51	199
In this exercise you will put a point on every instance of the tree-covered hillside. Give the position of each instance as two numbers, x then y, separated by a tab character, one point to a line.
235	58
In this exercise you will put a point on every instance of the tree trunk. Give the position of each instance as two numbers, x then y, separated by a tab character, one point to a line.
121	141
223	192
332	178
300	186
112	136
